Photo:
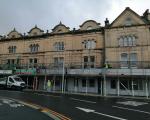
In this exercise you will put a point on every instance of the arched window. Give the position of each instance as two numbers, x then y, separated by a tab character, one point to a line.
59	46
89	28
121	41
36	48
12	49
89	44
133	40
130	43
125	41
129	40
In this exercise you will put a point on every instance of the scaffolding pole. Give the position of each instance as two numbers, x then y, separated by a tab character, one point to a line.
27	82
101	87
63	76
146	89
132	88
118	86
44	87
104	82
86	85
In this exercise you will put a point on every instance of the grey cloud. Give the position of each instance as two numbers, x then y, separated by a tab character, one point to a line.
24	14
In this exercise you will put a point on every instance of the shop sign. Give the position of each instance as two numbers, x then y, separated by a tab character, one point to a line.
5	71
26	71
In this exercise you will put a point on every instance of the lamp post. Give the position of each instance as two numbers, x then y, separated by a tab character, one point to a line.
104	82
63	76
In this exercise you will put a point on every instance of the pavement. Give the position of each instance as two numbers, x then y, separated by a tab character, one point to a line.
79	107
87	94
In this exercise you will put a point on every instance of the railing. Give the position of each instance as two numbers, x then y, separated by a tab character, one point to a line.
79	65
75	65
129	64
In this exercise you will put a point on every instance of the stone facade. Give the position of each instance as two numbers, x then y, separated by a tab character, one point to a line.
75	59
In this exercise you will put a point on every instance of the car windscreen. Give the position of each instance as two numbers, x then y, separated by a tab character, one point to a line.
18	79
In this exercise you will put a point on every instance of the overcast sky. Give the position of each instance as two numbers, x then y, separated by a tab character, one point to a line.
25	14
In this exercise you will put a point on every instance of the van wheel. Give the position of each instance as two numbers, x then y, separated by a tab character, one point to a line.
13	87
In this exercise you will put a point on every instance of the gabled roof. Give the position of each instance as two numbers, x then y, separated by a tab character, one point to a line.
128	9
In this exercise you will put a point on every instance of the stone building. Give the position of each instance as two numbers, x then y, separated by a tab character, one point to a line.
111	59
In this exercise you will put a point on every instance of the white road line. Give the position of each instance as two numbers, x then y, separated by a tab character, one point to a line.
83	100
46	95
93	111
114	117
131	109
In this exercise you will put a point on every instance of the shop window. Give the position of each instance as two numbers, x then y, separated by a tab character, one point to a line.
57	82
76	83
91	82
113	84
83	83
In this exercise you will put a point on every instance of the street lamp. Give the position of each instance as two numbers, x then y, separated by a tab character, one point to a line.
63	76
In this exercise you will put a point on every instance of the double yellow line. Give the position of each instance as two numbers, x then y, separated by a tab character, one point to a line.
45	110
49	112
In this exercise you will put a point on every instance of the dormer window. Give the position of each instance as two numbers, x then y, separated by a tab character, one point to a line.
89	27
13	36
35	33
59	30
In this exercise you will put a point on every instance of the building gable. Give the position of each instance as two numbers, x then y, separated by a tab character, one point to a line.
14	34
127	18
35	31
89	25
60	28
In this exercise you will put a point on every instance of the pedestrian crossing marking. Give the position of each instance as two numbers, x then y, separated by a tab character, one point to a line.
132	103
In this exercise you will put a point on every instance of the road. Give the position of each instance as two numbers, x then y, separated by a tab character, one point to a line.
14	110
78	107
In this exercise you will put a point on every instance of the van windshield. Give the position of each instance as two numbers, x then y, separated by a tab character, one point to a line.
18	79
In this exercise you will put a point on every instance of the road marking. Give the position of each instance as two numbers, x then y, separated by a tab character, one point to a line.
11	103
47	111
93	111
83	100
132	103
131	109
46	95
